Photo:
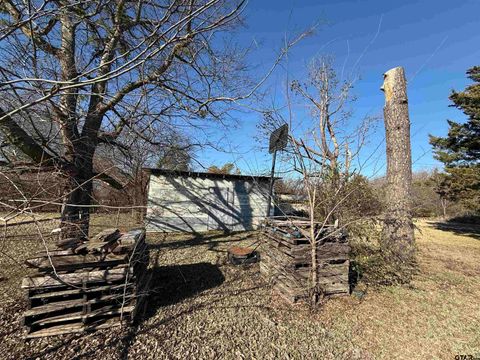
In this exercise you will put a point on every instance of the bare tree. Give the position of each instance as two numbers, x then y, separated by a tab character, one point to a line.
327	144
322	151
76	75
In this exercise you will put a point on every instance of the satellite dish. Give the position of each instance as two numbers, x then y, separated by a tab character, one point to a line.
278	139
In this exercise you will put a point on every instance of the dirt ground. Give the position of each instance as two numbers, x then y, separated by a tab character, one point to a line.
202	308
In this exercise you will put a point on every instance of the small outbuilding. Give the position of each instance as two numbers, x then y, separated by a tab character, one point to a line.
190	201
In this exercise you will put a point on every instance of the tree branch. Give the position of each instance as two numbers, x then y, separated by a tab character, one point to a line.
36	37
19	138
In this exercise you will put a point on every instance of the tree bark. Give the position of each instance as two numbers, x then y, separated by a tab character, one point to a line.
398	237
75	210
75	217
444	207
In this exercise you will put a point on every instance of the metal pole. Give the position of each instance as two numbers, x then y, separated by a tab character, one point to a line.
272	180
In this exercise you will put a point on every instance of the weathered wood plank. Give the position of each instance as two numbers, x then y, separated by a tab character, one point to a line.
76	261
73	328
67	304
96	289
106	235
104	311
54	252
69	243
117	273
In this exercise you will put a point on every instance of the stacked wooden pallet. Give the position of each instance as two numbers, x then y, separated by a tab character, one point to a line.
86	285
286	258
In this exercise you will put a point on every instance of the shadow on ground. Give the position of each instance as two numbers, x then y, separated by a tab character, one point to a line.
199	240
174	283
169	285
459	228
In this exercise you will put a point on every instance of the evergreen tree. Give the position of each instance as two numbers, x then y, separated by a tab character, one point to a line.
459	151
227	168
461	147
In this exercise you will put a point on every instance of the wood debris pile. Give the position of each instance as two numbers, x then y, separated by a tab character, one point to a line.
83	285
286	258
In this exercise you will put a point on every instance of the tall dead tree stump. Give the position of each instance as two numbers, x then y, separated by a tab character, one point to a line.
398	238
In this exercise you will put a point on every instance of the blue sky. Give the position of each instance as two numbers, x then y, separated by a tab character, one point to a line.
435	41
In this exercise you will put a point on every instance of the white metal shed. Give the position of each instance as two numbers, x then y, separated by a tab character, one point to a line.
191	201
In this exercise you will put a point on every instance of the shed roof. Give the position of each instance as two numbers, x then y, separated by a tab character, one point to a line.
156	171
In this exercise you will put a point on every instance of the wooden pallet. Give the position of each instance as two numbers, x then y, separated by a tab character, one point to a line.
88	286
286	259
73	328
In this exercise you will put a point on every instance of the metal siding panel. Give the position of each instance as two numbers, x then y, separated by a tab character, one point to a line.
175	224
185	204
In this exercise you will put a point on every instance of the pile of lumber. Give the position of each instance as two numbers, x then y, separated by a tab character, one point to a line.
286	259
86	284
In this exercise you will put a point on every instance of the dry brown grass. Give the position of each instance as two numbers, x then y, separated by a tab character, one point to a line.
203	308
18	242
436	317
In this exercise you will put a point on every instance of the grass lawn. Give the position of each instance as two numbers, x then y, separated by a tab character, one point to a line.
202	308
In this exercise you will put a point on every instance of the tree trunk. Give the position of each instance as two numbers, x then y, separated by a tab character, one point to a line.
444	207
398	237
313	289
75	217
139	194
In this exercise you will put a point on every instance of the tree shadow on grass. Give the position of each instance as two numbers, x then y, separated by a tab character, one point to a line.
170	285
460	228
202	239
174	283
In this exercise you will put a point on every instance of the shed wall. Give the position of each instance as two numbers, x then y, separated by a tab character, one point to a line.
196	204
